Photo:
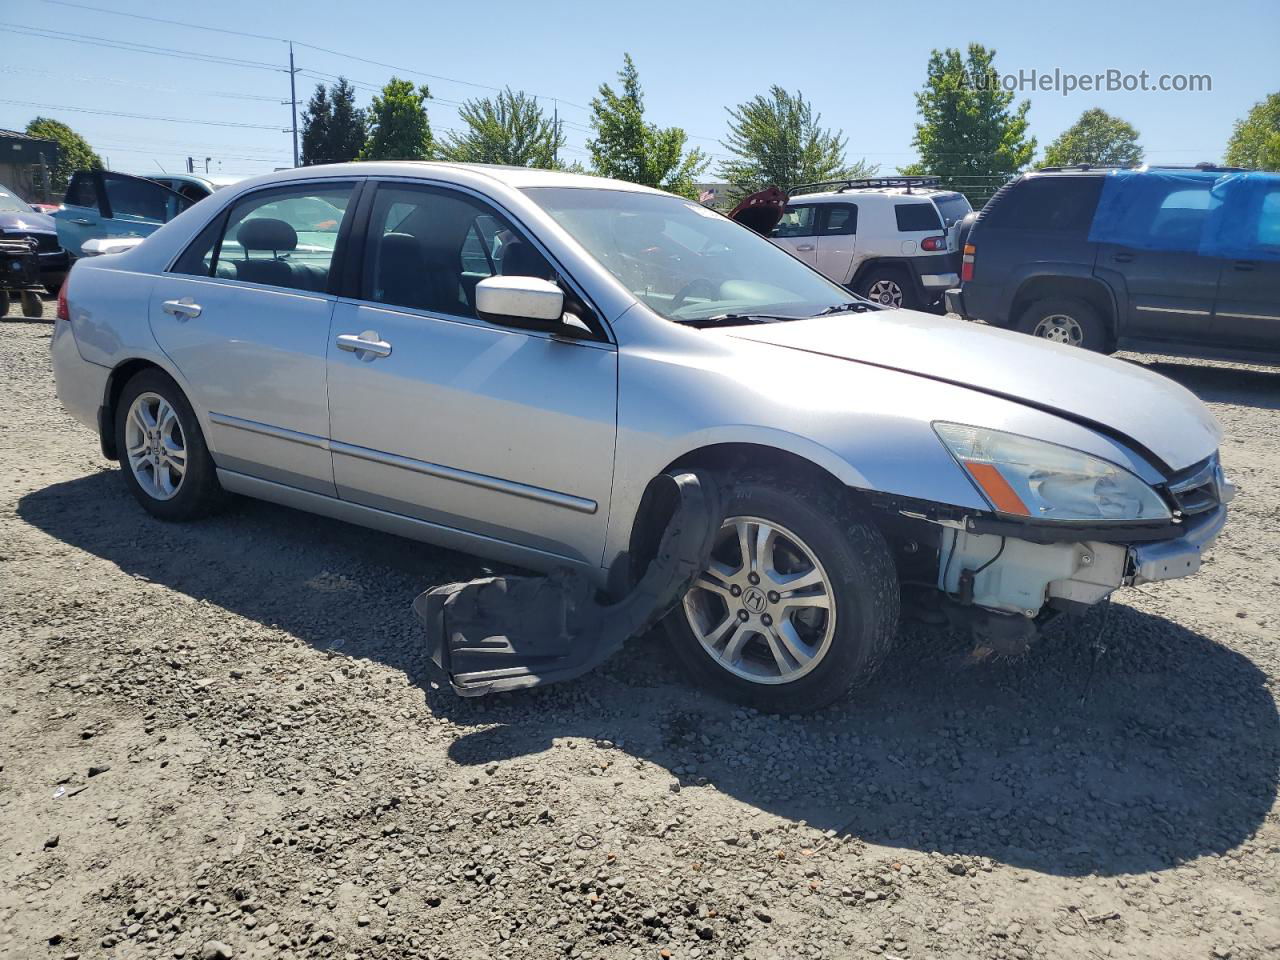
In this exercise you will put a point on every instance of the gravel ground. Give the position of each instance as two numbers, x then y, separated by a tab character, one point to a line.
223	739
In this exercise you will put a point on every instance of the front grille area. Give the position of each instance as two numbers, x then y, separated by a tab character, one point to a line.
1197	489
45	242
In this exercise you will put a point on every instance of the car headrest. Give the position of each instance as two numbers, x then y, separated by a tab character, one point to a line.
267	233
519	259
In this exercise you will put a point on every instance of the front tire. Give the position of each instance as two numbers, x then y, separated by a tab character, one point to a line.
163	457
1067	321
800	601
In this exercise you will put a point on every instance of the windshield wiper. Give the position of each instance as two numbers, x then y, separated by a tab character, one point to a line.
724	319
852	306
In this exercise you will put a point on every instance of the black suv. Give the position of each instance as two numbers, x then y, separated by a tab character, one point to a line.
1155	259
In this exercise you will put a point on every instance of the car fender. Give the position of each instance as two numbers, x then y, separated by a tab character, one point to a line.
1026	274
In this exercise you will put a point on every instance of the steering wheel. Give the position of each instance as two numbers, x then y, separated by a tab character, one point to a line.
690	288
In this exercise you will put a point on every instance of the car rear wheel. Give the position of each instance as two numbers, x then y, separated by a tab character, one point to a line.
1074	323
888	287
799	603
163	456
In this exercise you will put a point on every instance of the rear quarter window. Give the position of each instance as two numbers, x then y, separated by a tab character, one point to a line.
1047	204
917	217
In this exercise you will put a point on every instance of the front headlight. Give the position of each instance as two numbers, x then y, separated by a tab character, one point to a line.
1031	478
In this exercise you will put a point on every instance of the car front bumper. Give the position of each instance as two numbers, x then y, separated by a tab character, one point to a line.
1180	557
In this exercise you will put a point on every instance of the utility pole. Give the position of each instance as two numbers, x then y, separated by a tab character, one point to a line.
293	101
555	126
206	164
191	165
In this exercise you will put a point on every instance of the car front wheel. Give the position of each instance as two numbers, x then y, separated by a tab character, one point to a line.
799	603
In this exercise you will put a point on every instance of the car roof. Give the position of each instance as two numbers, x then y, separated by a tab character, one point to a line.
515	177
833	196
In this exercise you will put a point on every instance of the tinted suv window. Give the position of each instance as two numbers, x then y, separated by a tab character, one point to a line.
841	220
428	249
917	217
281	238
796	222
953	207
131	198
1055	204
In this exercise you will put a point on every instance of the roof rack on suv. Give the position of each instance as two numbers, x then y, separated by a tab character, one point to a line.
865	182
1208	167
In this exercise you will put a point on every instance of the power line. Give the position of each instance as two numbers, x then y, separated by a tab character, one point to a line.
143	86
133	47
138	116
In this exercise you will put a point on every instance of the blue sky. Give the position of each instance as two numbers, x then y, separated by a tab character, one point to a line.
859	64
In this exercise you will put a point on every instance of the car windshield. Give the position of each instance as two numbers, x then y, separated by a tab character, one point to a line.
9	203
685	262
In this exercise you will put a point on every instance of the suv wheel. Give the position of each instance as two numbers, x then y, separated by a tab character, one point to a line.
1071	322
800	601
163	456
887	287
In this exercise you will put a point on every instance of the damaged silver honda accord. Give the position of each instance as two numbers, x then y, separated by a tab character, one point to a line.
515	363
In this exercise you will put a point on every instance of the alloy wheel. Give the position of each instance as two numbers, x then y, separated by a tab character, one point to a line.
1060	328
764	609
155	446
887	292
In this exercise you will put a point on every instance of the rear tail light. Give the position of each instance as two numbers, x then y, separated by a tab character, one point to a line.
933	243
966	263
64	311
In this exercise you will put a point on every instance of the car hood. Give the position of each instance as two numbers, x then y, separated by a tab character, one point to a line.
1149	413
15	221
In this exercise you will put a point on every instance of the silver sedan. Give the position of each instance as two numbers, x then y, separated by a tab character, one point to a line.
503	360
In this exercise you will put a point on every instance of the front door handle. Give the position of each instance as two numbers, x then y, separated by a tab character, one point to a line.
83	222
184	309
1123	258
804	246
366	346
1244	266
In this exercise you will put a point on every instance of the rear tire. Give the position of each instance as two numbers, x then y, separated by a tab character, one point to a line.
1068	321
789	650
163	457
32	305
890	287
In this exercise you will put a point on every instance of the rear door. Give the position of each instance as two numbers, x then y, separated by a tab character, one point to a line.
244	315
1171	286
101	204
837	240
1247	314
797	231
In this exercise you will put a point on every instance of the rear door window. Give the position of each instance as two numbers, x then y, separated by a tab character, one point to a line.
799	221
917	217
953	208
840	220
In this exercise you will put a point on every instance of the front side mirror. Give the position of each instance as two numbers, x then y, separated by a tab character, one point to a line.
514	299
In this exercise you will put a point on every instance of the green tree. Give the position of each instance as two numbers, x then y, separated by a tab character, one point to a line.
346	124
399	128
1255	141
317	120
970	133
74	152
627	147
1097	137
778	141
510	128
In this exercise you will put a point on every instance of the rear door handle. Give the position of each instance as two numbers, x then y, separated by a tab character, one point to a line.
184	309
804	246
1123	258
83	222
1243	265
367	345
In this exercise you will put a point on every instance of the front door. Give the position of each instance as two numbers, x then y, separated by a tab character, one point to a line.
502	433
837	241
797	232
244	315
1248	310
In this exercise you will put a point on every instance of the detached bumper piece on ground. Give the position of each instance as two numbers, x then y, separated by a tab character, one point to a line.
505	633
20	276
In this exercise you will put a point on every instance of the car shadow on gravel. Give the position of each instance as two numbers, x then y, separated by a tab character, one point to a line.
1221	384
1174	755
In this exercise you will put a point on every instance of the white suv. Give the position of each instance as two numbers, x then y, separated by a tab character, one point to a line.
894	240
